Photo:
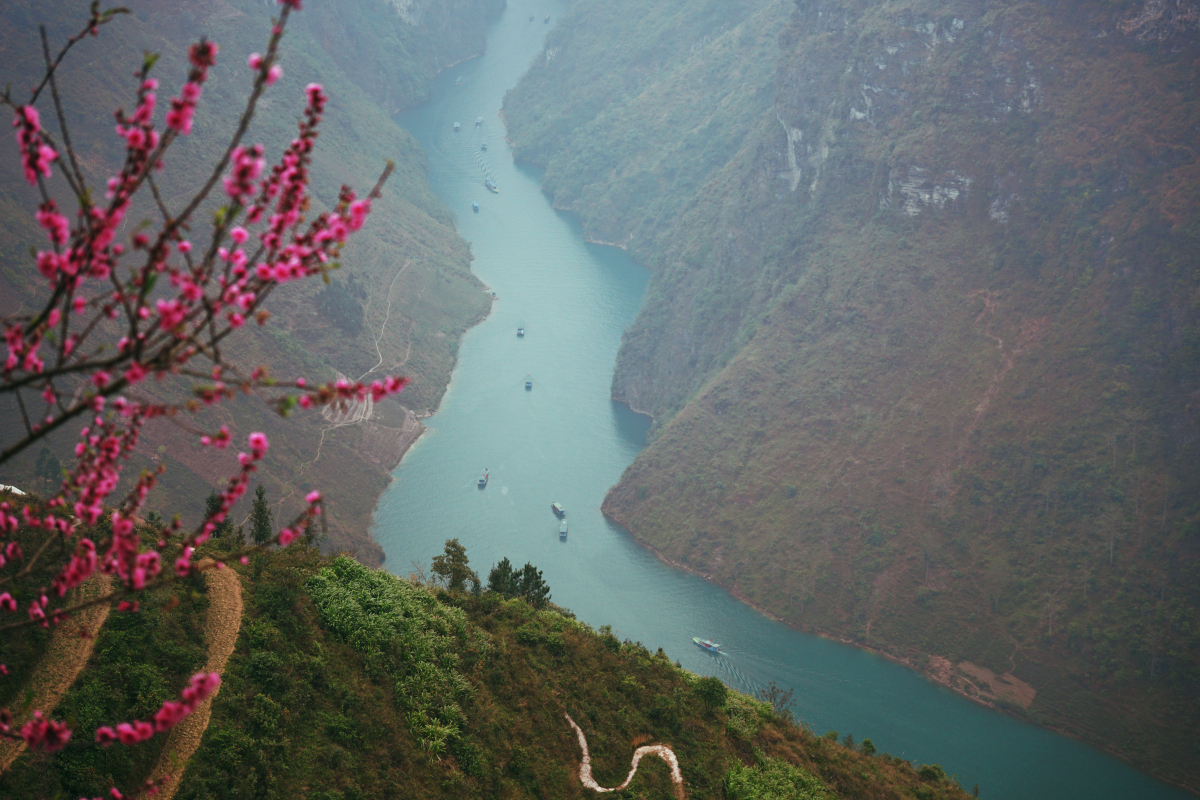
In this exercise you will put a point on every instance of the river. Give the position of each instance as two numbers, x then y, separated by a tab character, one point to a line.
565	440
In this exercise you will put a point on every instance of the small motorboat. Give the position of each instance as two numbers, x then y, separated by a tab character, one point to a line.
478	121
475	206
520	331
483	478
707	644
456	127
558	510
531	17
546	19
528	385
483	146
458	81
562	529
488	182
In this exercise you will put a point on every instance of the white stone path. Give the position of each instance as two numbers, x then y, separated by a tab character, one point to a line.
662	751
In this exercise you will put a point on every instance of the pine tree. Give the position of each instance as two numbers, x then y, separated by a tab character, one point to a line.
260	517
501	579
212	505
532	587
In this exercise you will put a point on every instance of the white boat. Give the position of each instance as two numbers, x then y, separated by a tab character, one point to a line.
483	478
562	529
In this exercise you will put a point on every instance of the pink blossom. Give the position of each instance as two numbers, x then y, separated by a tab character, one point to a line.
312	497
44	734
259	445
274	74
54	223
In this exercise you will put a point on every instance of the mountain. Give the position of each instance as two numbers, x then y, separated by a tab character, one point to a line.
922	344
404	293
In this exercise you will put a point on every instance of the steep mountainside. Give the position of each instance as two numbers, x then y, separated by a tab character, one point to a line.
924	349
404	293
350	683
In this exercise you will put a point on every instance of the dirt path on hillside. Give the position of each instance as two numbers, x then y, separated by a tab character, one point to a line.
662	751
66	655
221	626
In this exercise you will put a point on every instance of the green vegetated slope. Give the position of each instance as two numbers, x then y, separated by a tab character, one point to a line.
351	683
404	294
923	351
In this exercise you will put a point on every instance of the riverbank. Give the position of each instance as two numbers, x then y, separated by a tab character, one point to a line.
935	669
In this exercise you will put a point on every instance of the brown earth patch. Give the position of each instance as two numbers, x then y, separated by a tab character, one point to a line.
67	654
384	446
221	626
980	683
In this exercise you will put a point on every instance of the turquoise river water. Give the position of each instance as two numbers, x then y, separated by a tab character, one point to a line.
565	440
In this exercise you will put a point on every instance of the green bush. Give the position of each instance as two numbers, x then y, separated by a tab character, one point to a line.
405	633
773	780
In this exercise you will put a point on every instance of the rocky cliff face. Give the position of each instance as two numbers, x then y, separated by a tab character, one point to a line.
924	353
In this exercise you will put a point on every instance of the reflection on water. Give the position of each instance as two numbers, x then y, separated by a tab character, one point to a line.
565	441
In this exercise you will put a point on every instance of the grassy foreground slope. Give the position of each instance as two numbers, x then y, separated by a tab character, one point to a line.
404	294
350	683
924	351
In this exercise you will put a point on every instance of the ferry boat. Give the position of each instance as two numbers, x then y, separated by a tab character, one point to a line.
483	478
707	644
488	182
562	529
558	509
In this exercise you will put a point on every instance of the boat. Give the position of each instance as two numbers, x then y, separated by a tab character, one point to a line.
483	478
707	644
546	19
520	331
528	385
474	205
531	17
458	81
483	145
490	184
562	529
478	121
558	509
456	127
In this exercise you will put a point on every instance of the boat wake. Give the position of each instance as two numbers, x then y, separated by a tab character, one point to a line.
660	750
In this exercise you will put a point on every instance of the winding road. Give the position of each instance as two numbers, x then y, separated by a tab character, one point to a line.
660	750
